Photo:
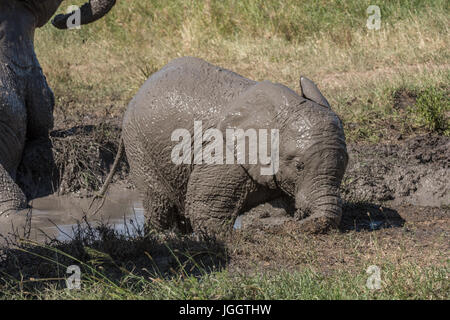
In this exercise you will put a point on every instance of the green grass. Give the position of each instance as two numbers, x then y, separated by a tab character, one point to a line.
433	109
305	285
398	281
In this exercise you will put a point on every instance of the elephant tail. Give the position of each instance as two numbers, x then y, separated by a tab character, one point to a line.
113	170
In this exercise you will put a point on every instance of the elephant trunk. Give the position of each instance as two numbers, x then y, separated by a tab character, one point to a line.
90	12
327	204
319	205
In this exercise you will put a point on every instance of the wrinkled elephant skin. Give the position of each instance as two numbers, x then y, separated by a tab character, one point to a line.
26	100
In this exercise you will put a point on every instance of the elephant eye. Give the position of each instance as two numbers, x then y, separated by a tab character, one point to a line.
299	165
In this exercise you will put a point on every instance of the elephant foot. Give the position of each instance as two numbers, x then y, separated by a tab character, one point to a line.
10	207
11	196
317	224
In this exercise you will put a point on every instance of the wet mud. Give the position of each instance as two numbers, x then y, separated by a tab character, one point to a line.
412	172
61	217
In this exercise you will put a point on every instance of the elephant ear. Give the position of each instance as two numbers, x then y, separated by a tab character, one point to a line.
250	110
253	110
311	92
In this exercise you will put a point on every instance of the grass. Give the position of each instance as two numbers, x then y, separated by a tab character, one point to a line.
106	276
96	70
413	284
433	109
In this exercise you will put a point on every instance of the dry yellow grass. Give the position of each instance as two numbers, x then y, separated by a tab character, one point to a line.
101	66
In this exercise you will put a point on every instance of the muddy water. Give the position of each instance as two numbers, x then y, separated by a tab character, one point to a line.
57	216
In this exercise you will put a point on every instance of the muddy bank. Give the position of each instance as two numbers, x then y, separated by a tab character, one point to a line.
419	237
414	172
75	161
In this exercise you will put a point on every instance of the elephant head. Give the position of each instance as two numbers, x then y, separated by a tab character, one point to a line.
312	151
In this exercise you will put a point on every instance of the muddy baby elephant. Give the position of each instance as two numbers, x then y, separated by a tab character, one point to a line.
173	129
26	100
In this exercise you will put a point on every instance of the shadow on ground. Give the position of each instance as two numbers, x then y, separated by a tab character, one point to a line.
369	217
355	216
104	254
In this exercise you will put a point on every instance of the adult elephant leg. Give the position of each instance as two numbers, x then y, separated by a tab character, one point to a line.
12	139
38	171
40	105
215	196
11	196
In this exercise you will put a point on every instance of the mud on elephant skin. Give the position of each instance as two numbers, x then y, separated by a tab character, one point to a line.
207	198
26	100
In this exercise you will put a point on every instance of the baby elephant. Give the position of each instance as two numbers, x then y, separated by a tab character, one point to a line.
206	145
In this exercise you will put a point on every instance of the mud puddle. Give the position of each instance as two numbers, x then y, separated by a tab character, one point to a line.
58	217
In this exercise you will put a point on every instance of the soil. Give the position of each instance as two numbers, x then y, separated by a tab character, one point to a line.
415	172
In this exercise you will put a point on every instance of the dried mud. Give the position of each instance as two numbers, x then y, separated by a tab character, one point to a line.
414	172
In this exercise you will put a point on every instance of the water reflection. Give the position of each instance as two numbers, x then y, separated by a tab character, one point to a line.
57	217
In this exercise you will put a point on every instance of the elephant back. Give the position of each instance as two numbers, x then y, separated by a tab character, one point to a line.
185	90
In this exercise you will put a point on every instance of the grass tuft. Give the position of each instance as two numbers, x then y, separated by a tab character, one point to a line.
433	109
